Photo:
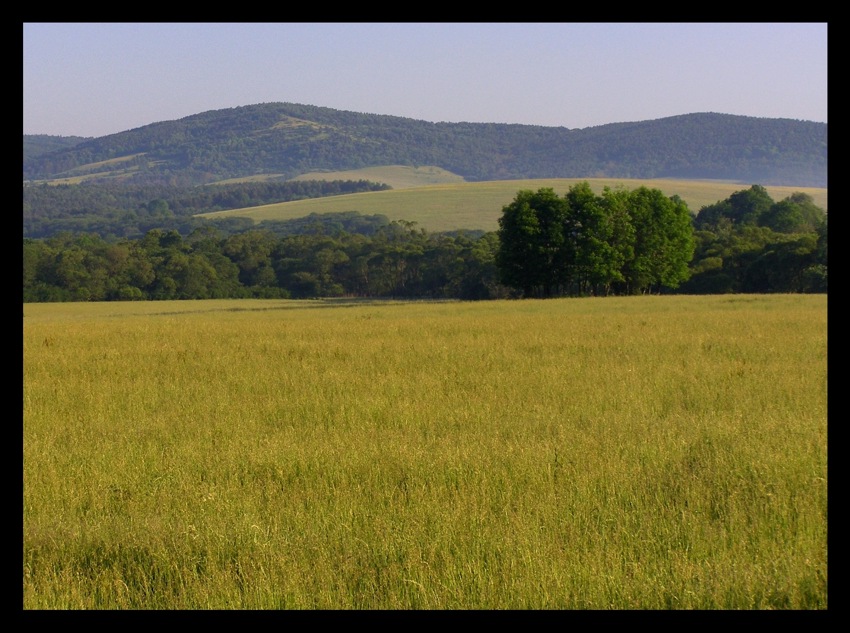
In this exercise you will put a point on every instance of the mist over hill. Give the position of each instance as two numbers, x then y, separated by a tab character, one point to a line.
285	140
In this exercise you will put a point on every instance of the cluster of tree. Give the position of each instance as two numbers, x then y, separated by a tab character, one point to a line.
749	243
618	242
291	139
627	242
122	210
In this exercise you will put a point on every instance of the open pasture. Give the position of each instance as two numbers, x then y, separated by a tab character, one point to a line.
451	205
601	453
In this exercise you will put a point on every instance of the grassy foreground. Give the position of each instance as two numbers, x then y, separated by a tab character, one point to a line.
603	453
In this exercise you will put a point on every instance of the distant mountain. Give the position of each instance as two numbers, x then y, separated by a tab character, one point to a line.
286	140
39	144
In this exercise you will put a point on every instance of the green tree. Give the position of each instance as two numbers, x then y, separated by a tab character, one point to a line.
748	206
622	237
742	208
159	209
813	215
795	214
781	265
592	258
664	241
814	278
251	252
783	217
784	251
35	253
531	253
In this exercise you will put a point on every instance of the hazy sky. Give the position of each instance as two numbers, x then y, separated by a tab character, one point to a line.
93	79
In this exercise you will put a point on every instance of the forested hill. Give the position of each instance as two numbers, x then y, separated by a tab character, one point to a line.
38	144
288	139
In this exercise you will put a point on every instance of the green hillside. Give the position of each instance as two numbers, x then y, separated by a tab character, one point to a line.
450	206
286	140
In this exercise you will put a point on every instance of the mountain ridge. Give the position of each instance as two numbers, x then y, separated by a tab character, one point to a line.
287	140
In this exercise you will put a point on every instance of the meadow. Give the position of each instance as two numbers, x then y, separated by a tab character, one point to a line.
437	200
653	452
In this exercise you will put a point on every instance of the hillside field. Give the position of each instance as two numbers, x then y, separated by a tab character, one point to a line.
621	453
437	201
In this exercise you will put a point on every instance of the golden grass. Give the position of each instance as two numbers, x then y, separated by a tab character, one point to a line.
602	453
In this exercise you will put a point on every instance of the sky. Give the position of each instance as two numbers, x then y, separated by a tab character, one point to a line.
95	79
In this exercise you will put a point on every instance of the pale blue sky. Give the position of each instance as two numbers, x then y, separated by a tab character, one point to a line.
93	79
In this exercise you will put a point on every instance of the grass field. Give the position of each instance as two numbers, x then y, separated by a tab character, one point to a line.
600	453
396	176
450	204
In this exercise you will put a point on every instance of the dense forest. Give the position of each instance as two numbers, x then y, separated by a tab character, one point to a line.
286	140
747	243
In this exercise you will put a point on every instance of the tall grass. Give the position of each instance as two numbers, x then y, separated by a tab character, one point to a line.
604	453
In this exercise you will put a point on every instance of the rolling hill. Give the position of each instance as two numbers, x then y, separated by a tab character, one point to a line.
284	141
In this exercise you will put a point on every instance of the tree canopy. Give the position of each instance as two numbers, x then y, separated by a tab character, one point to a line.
586	244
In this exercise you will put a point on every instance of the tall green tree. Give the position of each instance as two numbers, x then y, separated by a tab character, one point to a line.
748	206
590	251
531	253
622	237
664	241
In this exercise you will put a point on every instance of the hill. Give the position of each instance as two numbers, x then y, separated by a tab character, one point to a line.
449	206
284	141
40	144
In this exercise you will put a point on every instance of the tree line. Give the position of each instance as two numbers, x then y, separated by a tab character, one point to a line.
581	244
399	260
